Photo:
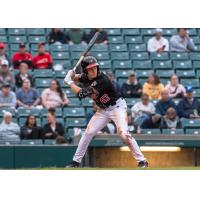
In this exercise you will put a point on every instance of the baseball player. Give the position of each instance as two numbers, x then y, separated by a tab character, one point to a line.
111	107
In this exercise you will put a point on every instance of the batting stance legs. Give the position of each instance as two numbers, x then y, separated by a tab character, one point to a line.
117	113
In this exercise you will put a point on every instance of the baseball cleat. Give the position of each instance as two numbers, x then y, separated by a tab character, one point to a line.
74	164
143	164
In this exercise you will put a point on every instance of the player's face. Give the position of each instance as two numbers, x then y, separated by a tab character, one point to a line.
92	73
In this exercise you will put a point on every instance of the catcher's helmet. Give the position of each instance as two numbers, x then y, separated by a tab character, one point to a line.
89	62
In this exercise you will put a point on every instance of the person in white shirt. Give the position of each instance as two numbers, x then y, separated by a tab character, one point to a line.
158	43
9	130
175	89
142	110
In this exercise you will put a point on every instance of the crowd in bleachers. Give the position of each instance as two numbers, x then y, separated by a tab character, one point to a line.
156	70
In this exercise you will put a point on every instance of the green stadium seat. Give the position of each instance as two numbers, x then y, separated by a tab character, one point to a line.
183	64
100	48
36	39
58	119
185	73
118	47
192	131
140	56
194	56
60	55
164	81
122	73
3	38
24	112
132	101
42	83
78	47
69	134
115	39
75	122
16	31
196	64
133	39
15	47
101	55
89	110
36	31
172	132
22	121
74	102
159	56
176	101
113	31
121	81
190	123
169	31
34	47
60	47
195	39
49	142
74	112
192	31
59	112
65	63
3	110
137	47
196	92
198	73
197	48
119	55
43	73
142	64
122	64
131	31
144	73
69	93
17	39
2	31
164	64
163	73
179	56
105	64
32	142
147	31
151	131
87	102
60	74
192	82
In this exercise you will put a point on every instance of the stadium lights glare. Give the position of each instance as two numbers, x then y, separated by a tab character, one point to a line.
154	148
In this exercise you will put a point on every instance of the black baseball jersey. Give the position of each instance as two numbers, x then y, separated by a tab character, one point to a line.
100	89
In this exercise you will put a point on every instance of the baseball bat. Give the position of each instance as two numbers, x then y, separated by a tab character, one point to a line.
89	47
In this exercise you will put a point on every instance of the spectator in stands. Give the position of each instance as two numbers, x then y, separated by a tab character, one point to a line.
158	43
27	97
43	60
102	39
189	106
76	36
61	140
175	89
9	130
182	42
170	120
7	97
22	75
109	128
54	96
111	76
56	36
22	56
6	75
141	111
161	108
153	87
3	55
52	129
132	88
30	130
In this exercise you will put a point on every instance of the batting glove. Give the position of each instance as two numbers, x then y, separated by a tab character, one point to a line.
68	78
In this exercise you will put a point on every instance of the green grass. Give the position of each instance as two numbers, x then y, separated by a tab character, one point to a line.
150	168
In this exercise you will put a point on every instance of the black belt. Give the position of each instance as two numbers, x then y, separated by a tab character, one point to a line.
114	102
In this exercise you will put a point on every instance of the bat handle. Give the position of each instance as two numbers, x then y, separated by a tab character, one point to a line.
78	63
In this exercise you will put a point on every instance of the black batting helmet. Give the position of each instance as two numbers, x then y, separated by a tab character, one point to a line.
89	62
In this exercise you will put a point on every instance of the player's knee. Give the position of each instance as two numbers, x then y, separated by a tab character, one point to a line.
90	131
126	138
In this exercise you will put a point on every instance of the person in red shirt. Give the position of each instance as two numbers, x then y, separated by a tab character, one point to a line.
22	56
43	60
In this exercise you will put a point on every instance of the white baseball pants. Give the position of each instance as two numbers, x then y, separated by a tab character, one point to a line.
117	113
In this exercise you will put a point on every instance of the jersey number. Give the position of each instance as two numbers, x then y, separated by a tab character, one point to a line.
105	98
